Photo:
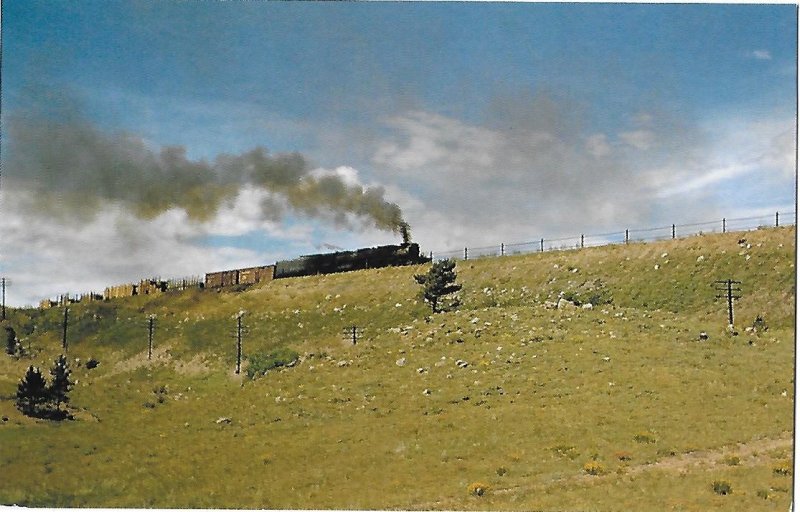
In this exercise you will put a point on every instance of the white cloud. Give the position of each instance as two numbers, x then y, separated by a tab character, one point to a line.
598	145
51	257
639	139
463	184
740	147
479	185
760	55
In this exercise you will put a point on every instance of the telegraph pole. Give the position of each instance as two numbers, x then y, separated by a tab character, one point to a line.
239	332
352	333
64	336
3	280
730	290
151	320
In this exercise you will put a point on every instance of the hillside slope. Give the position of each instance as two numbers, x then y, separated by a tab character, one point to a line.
394	422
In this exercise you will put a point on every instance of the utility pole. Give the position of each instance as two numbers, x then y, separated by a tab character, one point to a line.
64	336
730	290
151	320
352	333
239	332
4	282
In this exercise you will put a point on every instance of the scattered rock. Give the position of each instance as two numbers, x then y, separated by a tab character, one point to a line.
704	336
700	258
401	361
461	363
223	420
422	370
588	305
342	364
565	304
426	391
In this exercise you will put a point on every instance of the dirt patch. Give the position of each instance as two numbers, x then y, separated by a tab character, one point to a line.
197	365
752	452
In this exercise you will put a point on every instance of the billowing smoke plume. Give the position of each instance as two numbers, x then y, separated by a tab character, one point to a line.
75	168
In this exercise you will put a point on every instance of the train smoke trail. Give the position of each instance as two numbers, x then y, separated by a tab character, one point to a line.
74	168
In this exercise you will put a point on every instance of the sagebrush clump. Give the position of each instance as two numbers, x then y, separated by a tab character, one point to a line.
477	488
594	467
722	487
260	363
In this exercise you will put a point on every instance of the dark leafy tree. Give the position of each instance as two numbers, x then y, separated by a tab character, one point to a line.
11	340
60	385
32	393
438	283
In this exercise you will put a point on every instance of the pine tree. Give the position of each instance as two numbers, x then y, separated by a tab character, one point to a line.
439	282
11	340
60	385
32	392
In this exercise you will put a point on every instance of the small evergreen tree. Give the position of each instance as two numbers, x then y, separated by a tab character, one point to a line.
60	385
439	282
32	393
11	340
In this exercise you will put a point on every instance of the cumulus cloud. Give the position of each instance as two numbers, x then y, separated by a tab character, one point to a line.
50	258
467	183
491	183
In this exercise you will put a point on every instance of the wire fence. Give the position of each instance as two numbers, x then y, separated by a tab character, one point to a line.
671	232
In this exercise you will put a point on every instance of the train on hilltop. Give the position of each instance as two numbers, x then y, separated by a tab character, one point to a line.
308	265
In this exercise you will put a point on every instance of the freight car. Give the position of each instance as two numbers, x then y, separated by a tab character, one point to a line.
250	275
344	261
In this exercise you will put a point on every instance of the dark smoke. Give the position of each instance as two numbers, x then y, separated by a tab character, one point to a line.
74	167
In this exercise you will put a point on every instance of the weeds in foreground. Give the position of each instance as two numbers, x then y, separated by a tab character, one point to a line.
783	468
477	488
731	460
644	438
722	487
594	467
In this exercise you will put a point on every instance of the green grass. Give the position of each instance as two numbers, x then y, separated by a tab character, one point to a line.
545	391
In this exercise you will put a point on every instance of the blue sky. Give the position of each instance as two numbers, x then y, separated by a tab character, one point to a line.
484	122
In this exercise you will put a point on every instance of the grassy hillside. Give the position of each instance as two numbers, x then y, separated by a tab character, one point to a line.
625	389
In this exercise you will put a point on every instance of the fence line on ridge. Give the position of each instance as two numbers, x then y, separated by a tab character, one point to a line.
671	232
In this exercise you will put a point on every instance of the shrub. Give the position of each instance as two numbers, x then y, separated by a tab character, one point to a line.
566	451
731	460
783	468
759	324
763	494
477	489
623	456
644	438
260	363
502	470
594	467
722	487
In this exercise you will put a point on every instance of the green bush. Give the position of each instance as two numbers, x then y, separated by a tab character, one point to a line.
722	487
260	363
